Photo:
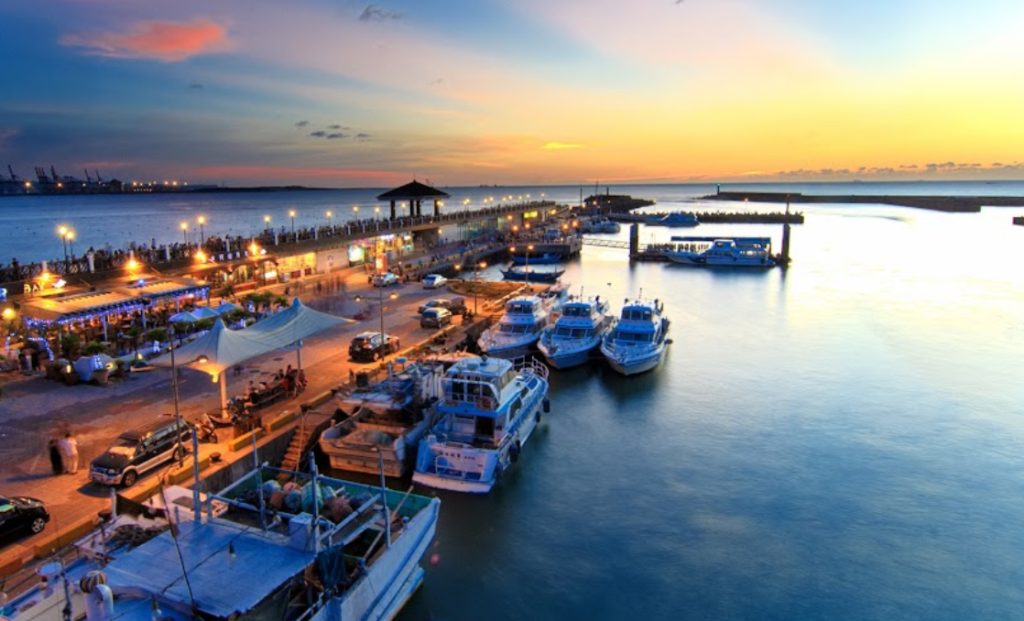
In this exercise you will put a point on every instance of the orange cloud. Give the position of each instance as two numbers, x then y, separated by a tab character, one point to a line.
166	41
561	145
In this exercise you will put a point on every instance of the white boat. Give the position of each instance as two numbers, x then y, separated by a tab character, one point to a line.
490	408
637	342
600	224
676	219
346	551
577	333
721	252
385	420
517	332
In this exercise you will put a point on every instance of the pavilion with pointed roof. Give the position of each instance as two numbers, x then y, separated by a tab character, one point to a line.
414	192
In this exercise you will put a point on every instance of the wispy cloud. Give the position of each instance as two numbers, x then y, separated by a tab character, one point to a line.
336	126
335	136
165	41
561	145
302	124
318	134
373	13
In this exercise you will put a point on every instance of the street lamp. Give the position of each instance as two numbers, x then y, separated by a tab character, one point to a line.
266	222
184	231
64	231
476	282
174	387
330	219
292	215
376	212
202	233
380	298
355	211
70	235
526	267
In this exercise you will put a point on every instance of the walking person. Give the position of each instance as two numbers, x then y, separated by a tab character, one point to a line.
69	452
56	460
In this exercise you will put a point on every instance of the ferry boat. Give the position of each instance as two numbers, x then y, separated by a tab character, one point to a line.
577	333
252	551
386	420
721	252
637	342
489	409
517	332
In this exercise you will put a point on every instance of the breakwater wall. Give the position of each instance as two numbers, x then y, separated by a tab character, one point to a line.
718	217
953	204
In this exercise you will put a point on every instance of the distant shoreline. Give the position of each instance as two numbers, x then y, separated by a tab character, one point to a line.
176	191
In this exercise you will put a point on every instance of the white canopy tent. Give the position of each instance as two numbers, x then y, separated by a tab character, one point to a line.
221	349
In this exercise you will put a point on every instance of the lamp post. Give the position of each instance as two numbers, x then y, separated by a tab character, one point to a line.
292	215
174	388
330	219
526	267
476	282
184	231
355	211
266	222
202	233
380	301
71	243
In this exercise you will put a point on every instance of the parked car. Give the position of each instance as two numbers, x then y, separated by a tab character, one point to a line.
385	279
137	451
370	346
457	305
435	318
21	514
434	281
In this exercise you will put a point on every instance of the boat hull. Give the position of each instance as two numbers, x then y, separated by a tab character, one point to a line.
695	259
565	358
635	366
362	456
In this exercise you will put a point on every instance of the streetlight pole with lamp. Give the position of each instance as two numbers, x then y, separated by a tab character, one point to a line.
174	387
202	232
380	302
184	231
330	219
291	214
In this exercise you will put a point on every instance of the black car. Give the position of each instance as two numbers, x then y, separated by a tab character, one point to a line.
140	450
370	346
21	514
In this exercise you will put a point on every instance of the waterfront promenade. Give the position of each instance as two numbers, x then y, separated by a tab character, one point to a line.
32	409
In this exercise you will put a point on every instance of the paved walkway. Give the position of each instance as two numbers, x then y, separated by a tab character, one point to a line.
32	410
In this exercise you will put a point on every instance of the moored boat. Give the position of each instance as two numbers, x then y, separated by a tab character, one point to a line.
489	410
517	331
675	219
529	275
386	420
721	252
251	552
577	333
637	342
600	224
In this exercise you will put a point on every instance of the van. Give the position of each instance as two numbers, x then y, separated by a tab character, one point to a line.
139	450
435	318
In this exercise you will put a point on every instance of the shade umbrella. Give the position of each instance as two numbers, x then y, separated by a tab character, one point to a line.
227	307
87	365
183	317
204	312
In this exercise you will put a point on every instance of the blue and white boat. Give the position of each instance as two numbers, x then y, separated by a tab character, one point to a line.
577	333
600	224
722	252
489	409
677	219
248	554
517	332
637	342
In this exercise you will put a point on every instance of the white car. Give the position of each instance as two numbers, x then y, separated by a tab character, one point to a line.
385	279
434	281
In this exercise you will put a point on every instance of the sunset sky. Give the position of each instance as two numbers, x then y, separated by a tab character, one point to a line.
343	94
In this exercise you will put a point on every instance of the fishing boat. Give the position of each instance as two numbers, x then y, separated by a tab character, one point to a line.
721	252
528	275
316	549
385	420
489	409
637	342
518	330
577	333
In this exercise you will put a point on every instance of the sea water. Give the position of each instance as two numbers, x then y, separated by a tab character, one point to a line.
843	439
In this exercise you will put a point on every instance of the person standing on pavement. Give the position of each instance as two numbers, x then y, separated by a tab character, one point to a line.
69	452
56	459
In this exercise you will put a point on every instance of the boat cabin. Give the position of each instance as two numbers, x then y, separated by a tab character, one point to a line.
478	400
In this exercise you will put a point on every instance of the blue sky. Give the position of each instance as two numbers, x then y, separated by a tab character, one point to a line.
347	94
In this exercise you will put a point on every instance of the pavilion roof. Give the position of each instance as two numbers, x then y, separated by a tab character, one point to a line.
412	190
63	308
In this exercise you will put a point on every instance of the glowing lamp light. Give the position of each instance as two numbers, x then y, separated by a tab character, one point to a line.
133	264
8	313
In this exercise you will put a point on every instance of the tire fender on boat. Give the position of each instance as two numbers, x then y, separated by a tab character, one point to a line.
547	408
513	451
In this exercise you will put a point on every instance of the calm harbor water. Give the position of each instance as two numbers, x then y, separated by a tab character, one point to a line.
840	440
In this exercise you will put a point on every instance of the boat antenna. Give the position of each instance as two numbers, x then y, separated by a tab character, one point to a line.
177	548
384	498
